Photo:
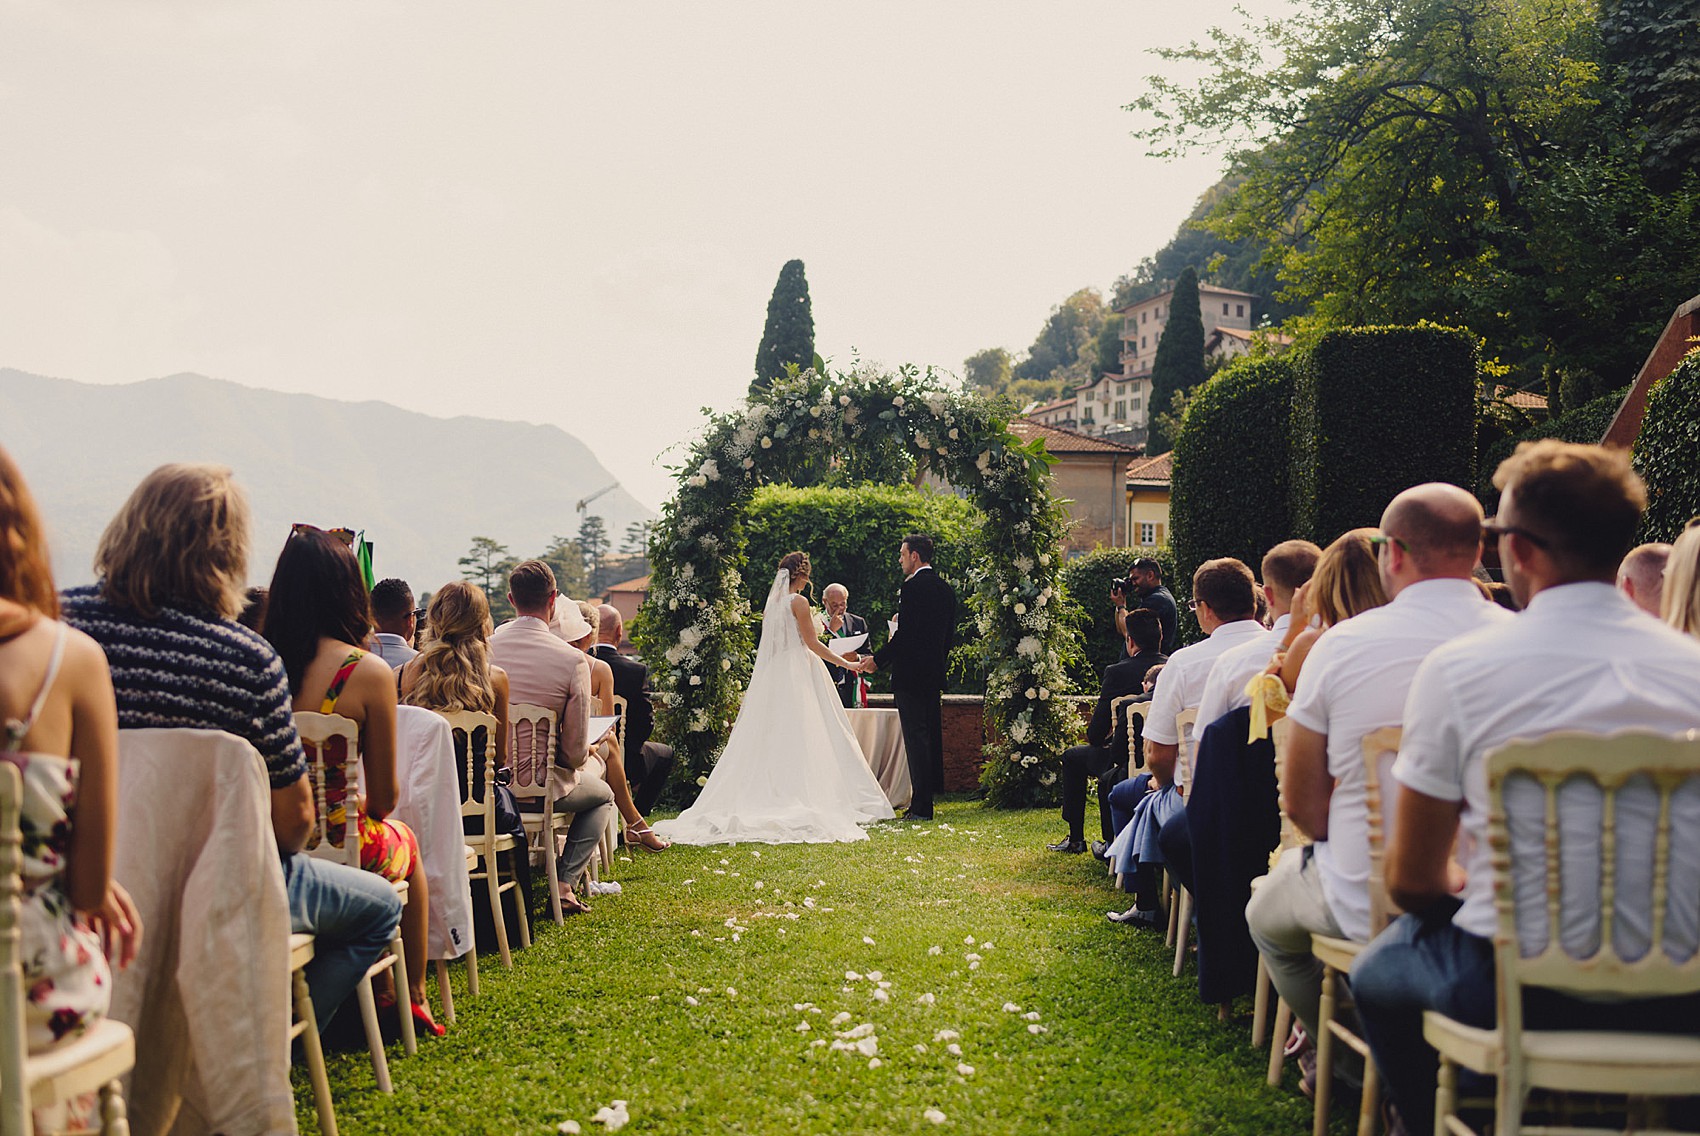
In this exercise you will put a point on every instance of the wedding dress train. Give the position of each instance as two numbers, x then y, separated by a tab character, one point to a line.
792	772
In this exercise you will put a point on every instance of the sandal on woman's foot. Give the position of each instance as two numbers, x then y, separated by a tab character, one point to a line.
424	1023
645	837
571	904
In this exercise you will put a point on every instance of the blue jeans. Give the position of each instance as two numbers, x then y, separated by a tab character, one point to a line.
352	916
1427	963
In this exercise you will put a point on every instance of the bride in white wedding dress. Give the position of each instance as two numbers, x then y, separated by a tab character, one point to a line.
792	771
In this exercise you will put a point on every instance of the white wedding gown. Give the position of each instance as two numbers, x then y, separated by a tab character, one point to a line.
792	771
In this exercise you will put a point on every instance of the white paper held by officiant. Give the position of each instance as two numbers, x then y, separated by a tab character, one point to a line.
847	645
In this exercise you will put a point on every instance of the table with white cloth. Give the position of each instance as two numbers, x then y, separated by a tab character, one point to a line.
880	735
428	802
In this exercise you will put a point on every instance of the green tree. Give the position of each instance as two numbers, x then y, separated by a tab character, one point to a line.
566	560
1652	51
594	543
636	541
990	370
1064	352
1179	364
789	335
487	564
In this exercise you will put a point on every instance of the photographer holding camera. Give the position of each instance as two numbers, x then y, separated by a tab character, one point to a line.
1144	588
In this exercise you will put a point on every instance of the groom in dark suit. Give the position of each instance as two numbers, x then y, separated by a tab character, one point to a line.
915	655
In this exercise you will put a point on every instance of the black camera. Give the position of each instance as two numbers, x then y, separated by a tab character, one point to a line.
1124	588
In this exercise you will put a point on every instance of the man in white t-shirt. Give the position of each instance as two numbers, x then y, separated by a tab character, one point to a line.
1579	657
1285	567
1354	683
1223	602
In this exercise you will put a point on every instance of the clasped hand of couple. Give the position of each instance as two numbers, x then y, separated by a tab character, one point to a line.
861	664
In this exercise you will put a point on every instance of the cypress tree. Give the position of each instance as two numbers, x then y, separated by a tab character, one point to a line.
789	336
1179	364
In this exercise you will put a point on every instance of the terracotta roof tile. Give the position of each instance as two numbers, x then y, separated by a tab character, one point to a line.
1060	441
1157	469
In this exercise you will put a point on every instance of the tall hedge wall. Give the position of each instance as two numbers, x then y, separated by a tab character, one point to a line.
1086	592
851	536
1229	494
1587	423
1376	410
1667	451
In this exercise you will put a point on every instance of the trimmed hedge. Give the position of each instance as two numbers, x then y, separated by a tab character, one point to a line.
1229	496
851	536
1665	451
1377	410
1587	424
1086	590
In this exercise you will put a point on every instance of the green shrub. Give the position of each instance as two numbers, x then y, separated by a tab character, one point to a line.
1086	594
1587	423
851	536
1377	410
1229	496
1665	450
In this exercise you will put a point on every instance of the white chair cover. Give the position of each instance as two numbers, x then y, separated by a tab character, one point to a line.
208	995
429	804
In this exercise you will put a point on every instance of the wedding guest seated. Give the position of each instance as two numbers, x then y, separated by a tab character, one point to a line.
1680	599
1346	582
1105	754
1354	683
61	734
648	763
1223	604
1579	657
1286	568
172	565
253	614
1641	576
840	622
544	670
396	620
317	617
638	834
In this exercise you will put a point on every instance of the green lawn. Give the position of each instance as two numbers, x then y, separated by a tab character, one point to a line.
680	997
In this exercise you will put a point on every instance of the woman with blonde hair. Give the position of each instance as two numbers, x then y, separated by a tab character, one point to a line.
1679	605
61	734
317	614
1346	582
452	670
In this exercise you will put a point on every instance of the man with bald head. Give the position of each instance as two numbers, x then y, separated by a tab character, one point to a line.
1641	576
1354	683
647	763
838	623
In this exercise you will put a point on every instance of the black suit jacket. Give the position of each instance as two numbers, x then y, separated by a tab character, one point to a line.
1125	677
853	625
631	682
926	619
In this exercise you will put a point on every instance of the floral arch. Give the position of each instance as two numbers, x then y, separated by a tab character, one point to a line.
695	625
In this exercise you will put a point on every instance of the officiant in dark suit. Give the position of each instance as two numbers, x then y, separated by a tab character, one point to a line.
647	763
915	656
841	623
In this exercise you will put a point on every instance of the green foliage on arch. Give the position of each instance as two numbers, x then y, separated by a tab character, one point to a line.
695	627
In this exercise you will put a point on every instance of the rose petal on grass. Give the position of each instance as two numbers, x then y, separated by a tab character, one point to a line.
868	1046
920	1047
1031	1015
946	1035
881	995
568	1128
934	1116
874	1062
965	1069
1035	1027
690	1001
863	1030
935	950
614	1116
953	1049
968	942
988	946
883	984
971	957
926	999
852	976
731	992
1011	1008
817	1043
803	1027
875	976
975	965
868	941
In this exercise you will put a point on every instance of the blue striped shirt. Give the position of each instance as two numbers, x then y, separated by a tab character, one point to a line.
188	669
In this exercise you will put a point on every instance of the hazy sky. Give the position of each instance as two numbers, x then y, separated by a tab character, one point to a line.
563	212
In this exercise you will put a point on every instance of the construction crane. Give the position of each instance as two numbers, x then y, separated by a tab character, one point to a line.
583	501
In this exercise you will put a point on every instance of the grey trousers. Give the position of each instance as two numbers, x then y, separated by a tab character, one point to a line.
592	804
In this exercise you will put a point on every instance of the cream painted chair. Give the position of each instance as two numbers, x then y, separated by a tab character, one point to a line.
1291	837
1180	904
339	843
92	1063
1577	1060
532	739
1336	955
305	1025
445	990
476	769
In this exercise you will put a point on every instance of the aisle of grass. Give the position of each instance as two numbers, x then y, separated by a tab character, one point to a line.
681	998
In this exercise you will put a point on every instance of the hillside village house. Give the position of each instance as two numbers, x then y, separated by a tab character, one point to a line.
1091	473
1148	500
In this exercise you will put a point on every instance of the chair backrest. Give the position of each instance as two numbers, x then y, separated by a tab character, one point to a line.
620	709
1636	777
332	743
1291	837
14	1101
1134	715
1184	722
1380	747
475	762
531	748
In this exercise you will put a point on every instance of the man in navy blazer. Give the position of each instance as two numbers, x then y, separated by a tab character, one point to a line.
915	656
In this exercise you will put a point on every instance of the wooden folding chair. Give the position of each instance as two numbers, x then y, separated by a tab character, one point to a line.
532	739
1582	1060
475	766
93	1062
339	843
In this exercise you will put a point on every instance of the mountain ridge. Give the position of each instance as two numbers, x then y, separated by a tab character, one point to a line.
421	486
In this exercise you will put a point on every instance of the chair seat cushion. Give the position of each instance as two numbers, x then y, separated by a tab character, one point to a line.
82	1066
